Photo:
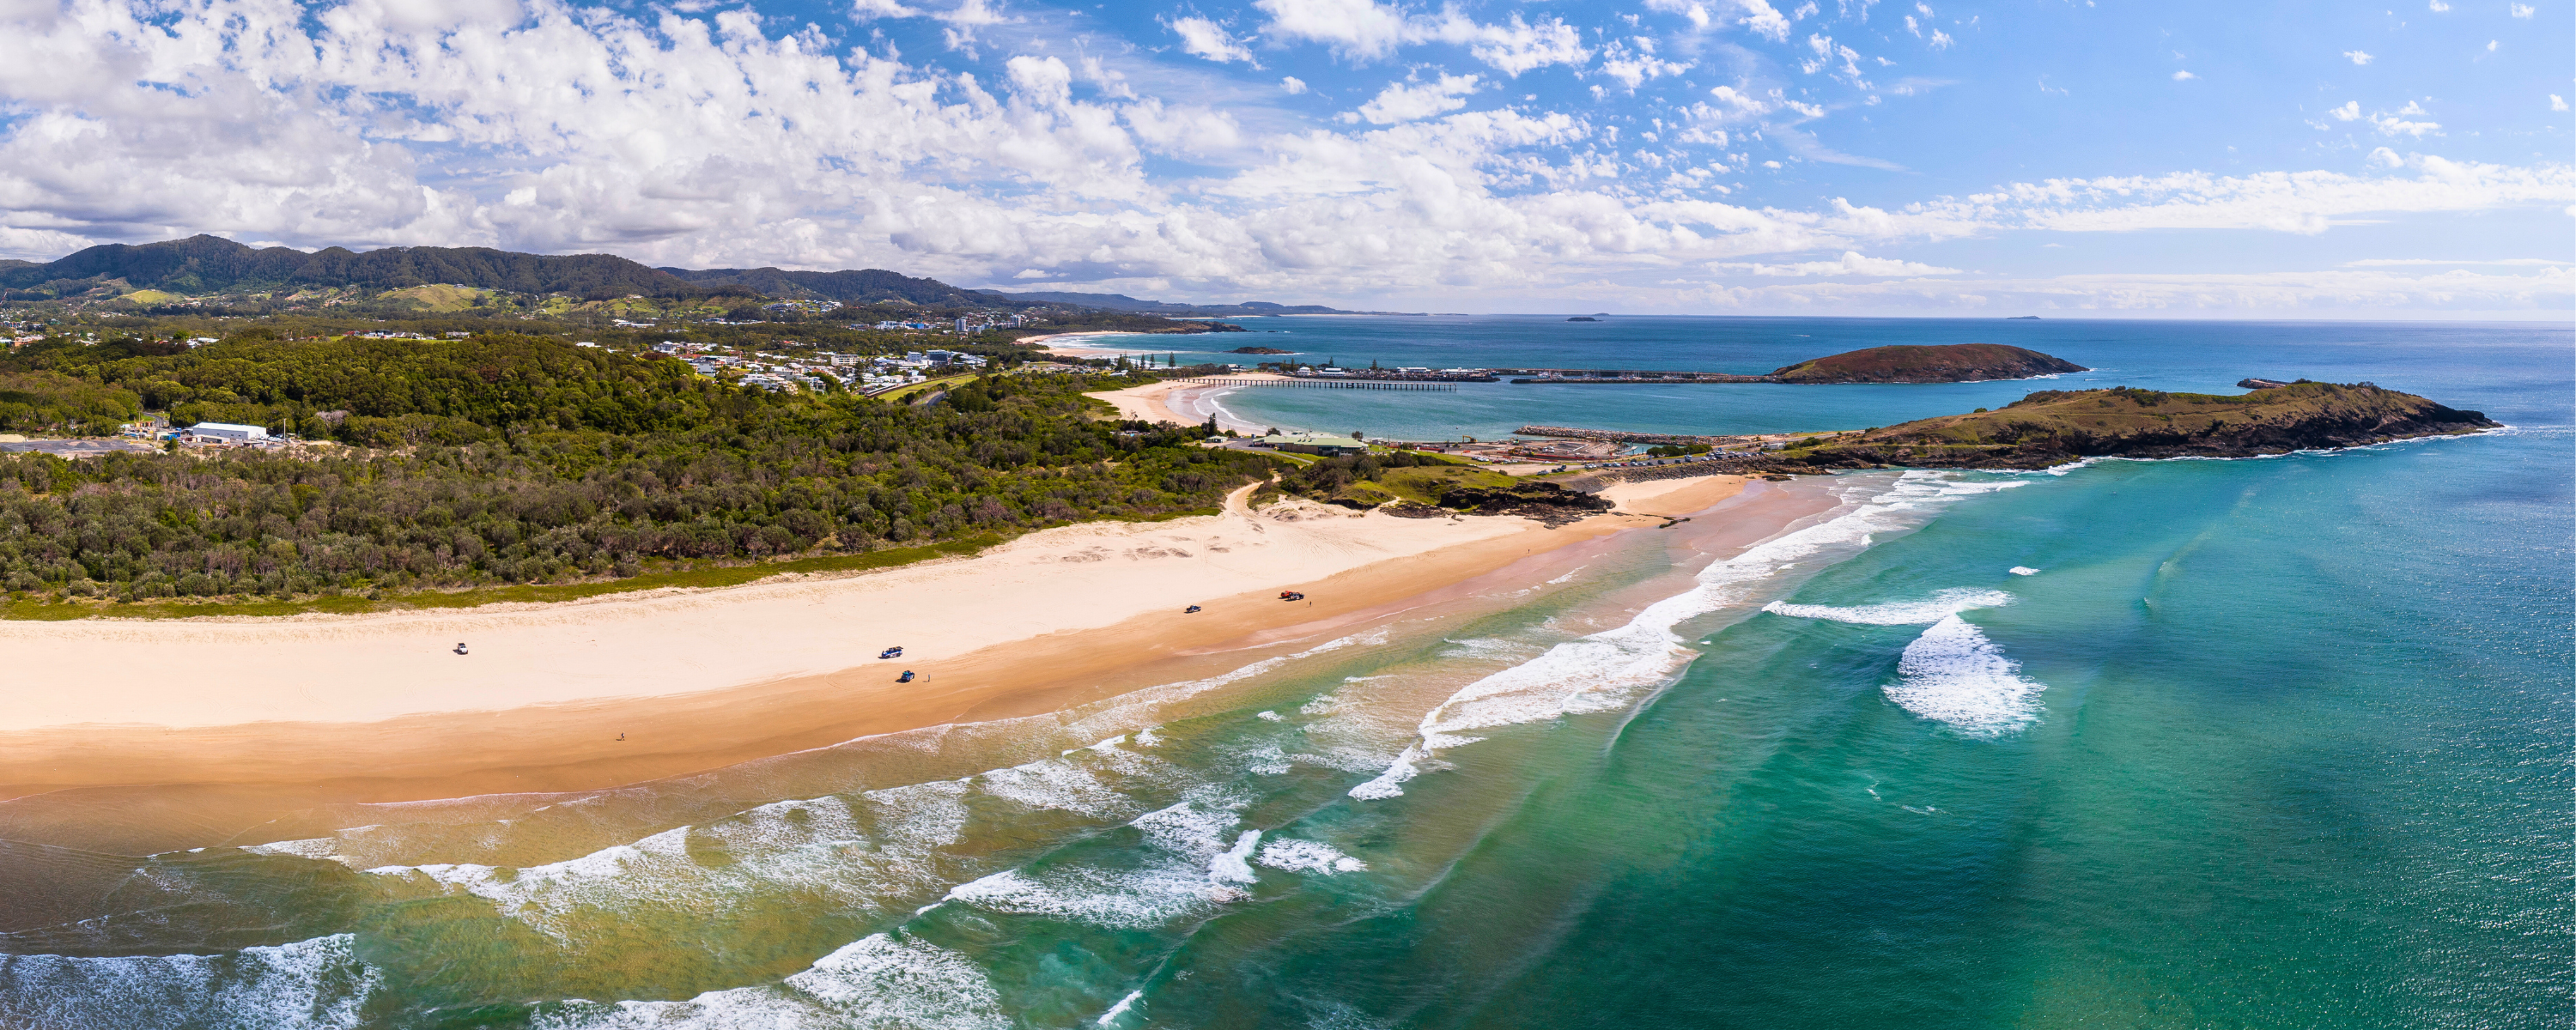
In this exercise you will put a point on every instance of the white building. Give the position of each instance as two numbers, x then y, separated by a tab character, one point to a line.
226	432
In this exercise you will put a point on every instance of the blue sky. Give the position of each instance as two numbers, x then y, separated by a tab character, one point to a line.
1710	156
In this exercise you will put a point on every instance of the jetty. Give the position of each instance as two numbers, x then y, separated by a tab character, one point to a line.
1332	383
1622	436
1624	376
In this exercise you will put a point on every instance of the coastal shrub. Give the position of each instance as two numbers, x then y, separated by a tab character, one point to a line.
522	460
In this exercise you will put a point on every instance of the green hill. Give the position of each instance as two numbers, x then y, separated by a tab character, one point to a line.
212	264
2056	426
1910	363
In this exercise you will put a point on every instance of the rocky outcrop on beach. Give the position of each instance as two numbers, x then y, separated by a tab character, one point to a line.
1910	363
2053	427
1550	504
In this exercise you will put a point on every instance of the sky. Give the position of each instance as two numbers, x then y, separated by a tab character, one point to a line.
2118	158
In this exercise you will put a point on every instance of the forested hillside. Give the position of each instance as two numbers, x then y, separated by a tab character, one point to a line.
211	264
522	459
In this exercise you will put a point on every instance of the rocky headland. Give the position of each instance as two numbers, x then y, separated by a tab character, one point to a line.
2053	427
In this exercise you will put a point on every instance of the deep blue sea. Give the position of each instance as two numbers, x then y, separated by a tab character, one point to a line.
2265	743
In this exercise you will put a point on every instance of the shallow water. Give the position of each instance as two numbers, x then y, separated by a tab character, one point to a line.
2274	742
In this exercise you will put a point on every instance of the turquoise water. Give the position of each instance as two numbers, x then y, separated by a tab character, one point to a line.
2438	360
2264	743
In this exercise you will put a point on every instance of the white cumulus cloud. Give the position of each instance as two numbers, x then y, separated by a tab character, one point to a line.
1408	101
1633	61
2357	56
1851	263
1208	39
727	139
1366	29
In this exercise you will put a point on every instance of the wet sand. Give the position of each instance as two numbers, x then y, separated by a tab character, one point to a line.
260	723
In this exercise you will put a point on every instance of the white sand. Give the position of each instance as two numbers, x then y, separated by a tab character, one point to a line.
1188	404
321	668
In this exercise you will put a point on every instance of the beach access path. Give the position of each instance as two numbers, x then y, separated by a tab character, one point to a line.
381	707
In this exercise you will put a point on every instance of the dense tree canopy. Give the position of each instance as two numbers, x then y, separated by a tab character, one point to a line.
521	459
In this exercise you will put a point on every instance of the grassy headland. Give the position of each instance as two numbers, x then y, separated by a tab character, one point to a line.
1914	363
2056	426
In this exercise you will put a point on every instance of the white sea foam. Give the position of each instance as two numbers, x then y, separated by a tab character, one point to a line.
1193	867
868	850
305	985
1953	674
880	981
2024	570
1234	865
1486	648
1900	613
1110	1018
1612	668
312	847
1306	856
817	844
1056	784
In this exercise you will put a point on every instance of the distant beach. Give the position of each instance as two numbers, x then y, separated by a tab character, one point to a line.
1184	403
1074	345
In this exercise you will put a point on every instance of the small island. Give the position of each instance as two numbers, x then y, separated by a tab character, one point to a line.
1943	363
2053	427
1260	350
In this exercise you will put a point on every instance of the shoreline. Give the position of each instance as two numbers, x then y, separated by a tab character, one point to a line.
1056	343
1187	404
374	708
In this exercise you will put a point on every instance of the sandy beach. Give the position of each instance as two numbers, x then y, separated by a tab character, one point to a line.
1188	404
380	707
1078	345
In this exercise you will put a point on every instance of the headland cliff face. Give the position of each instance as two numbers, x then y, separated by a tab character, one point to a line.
2053	427
1944	363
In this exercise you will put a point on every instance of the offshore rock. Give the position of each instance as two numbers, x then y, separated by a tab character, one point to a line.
1944	363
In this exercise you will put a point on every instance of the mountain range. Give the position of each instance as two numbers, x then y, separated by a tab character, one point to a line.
211	264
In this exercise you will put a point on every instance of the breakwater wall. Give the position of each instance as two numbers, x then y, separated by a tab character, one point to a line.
1618	436
1609	376
1325	384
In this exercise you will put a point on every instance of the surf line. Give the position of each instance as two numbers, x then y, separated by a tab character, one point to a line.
1609	669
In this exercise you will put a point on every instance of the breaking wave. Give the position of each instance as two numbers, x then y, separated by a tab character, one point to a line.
1901	613
307	985
1611	669
881	980
1953	674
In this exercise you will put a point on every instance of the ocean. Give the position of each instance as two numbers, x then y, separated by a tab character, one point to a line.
2260	743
